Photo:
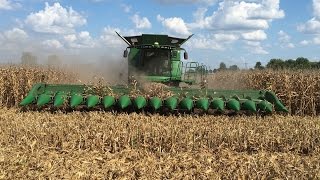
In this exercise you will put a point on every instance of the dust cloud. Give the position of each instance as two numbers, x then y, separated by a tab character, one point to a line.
227	80
109	70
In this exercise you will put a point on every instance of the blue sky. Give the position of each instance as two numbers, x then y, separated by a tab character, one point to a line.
232	31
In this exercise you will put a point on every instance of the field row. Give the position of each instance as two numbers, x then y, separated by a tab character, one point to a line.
298	90
95	144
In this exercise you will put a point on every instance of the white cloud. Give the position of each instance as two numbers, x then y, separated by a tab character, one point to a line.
221	37
304	42
284	40
232	20
239	15
126	8
15	35
312	26
80	40
70	38
258	35
316	40
55	19
8	5
141	22
175	25
52	44
214	41
316	8
110	38
268	9
255	47
205	42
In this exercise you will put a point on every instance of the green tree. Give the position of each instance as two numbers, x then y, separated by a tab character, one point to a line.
222	66
302	63
258	65
291	64
276	64
234	68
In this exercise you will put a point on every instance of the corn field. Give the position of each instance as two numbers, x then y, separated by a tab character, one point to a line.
104	145
298	90
99	145
16	81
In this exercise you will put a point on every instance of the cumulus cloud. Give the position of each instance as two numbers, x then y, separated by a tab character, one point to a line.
316	40
214	41
55	19
52	44
284	40
221	37
141	22
240	15
110	38
304	42
316	9
312	26
80	40
126	8
15	35
255	47
174	25
268	9
236	19
8	5
205	42
257	35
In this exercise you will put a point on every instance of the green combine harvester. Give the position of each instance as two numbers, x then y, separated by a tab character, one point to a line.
157	59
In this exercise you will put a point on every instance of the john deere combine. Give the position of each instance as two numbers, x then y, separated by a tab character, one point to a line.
155	58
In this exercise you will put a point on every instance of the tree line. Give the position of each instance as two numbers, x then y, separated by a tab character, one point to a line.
276	64
280	64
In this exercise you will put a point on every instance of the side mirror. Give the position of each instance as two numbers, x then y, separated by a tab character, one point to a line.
185	55
125	53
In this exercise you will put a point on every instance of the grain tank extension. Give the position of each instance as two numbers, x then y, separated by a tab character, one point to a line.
154	58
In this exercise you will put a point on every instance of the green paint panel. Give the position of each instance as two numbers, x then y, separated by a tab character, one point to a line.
171	103
265	106
218	104
249	105
92	101
124	101
43	99
280	107
61	93
140	102
203	104
28	100
59	99
108	101
233	104
76	100
155	103
186	103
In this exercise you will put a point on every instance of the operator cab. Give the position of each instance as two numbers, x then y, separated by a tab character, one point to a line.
155	57
155	62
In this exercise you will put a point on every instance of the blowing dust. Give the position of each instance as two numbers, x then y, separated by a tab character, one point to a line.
106	70
227	80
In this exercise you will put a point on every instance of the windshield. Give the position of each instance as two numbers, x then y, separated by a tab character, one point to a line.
156	62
